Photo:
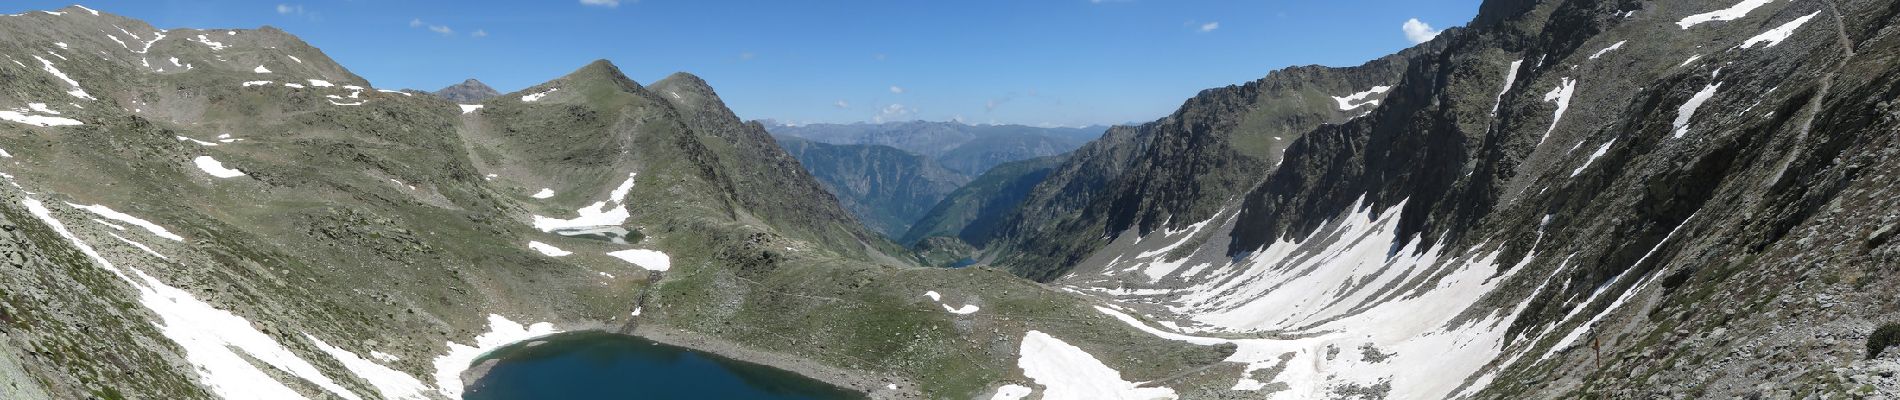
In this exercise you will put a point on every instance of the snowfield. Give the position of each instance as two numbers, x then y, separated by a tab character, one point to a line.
1347	289
1070	373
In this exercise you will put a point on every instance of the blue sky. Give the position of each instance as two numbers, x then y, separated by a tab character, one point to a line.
1034	62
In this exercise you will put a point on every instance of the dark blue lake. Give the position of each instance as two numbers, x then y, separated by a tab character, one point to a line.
599	365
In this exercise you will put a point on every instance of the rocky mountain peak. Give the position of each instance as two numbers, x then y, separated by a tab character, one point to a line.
468	92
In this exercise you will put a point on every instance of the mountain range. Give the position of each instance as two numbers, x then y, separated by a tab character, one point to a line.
967	149
1561	199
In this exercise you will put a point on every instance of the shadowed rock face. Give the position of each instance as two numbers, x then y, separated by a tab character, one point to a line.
470	91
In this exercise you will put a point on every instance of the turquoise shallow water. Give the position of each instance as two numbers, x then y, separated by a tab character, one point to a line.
598	365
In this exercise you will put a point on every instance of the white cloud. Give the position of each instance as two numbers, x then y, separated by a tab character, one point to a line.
287	9
1210	27
479	33
893	112
1419	31
601	3
444	30
897	90
842	104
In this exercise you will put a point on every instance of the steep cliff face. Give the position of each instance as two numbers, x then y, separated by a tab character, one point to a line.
1566	198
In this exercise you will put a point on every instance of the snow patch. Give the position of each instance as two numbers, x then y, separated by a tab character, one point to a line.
469	108
1357	100
36	120
215	46
77	91
596	215
392	384
966	309
537	96
1561	95
648	259
115	215
1687	111
1774	36
1605	148
215	168
544	193
1733	12
1612	47
199	142
548	249
501	332
1510	78
1012	392
320	83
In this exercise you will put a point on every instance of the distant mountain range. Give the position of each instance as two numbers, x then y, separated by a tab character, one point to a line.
886	188
891	175
968	149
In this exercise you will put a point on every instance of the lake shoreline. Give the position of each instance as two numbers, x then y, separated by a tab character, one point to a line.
875	386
